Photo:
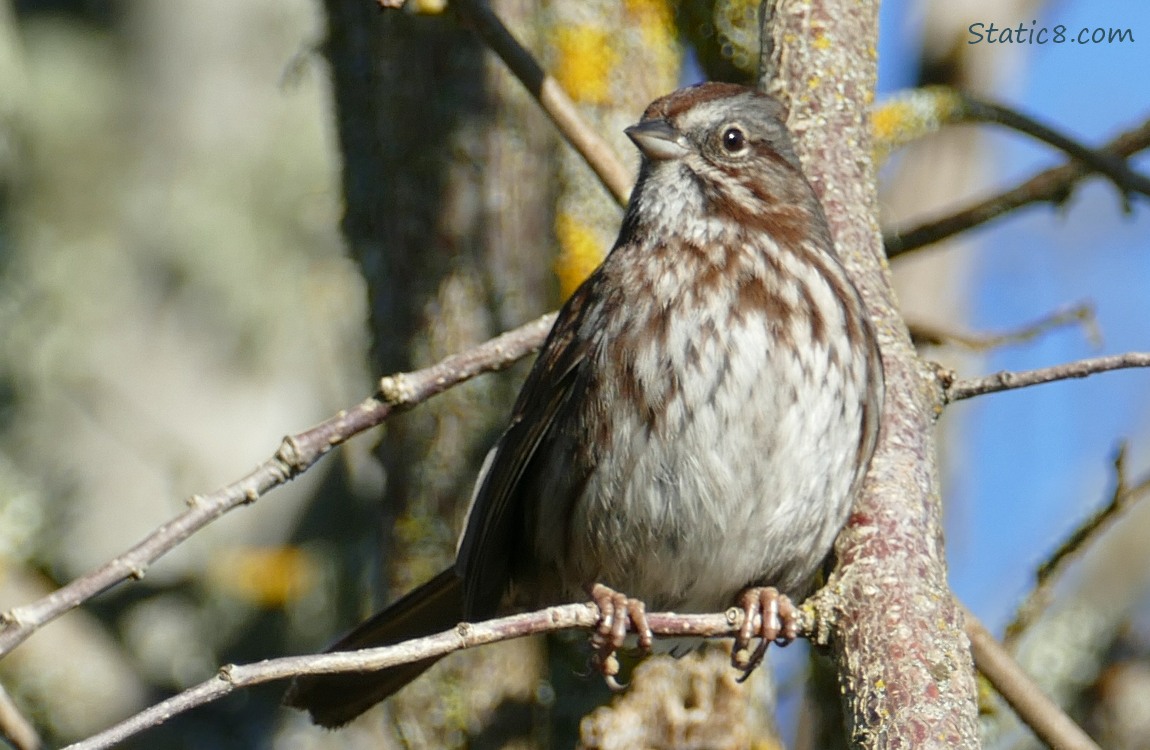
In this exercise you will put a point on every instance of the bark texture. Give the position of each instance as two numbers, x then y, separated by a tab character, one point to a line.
894	628
446	175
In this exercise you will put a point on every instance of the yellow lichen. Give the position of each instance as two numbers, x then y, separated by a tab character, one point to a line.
584	60
580	251
651	12
265	576
430	7
911	115
655	20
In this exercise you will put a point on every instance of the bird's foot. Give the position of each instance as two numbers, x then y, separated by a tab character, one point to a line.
618	615
778	623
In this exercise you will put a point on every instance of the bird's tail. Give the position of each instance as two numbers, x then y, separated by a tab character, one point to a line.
335	699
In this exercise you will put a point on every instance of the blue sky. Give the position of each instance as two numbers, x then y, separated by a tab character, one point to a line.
1039	460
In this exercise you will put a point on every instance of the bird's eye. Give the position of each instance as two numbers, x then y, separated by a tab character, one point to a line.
734	139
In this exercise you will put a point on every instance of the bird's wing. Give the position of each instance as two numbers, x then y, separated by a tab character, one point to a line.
495	520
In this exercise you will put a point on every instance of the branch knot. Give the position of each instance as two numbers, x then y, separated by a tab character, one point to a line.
395	389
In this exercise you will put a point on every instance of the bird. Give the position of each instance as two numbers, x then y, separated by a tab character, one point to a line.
696	424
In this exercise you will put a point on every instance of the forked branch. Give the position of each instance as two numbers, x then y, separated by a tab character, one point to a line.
1123	496
1049	186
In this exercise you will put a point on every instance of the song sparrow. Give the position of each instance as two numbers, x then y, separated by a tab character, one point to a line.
696	424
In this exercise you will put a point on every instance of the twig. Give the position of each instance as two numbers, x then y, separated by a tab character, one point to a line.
955	389
1048	721
923	333
550	95
1107	164
1036	601
14	727
1051	185
295	455
463	636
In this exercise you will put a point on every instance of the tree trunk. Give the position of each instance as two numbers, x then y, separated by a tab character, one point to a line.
446	177
895	630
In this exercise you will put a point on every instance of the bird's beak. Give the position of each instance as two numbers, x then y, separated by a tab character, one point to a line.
657	140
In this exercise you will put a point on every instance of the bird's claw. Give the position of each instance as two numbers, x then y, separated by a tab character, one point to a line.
618	615
778	621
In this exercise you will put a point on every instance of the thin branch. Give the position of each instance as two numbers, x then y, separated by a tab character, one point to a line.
1027	699
551	97
1075	542
956	389
1123	496
1052	185
1107	164
14	727
295	455
463	636
924	333
1048	721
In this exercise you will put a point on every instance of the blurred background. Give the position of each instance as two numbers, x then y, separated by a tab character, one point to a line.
220	222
